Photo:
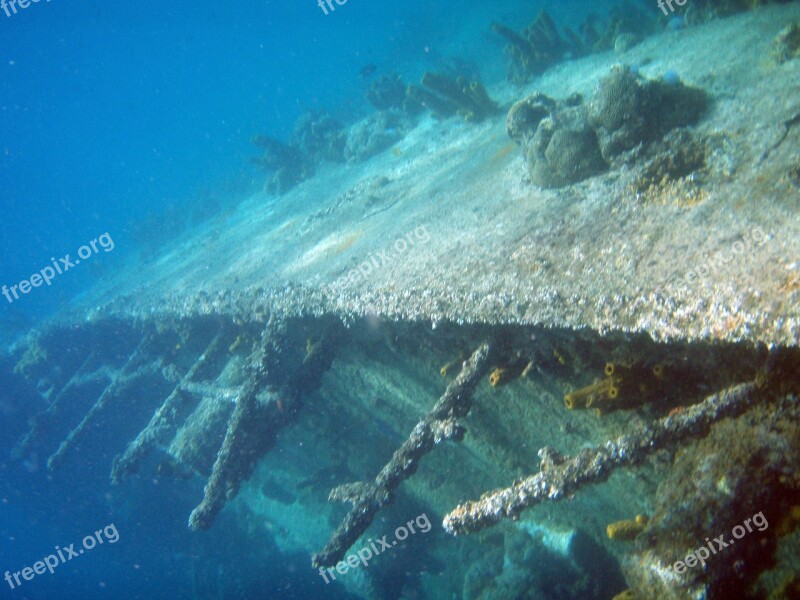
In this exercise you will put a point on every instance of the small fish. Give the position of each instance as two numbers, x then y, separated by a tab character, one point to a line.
368	71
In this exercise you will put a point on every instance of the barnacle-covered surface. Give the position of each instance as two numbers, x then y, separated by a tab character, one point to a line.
608	253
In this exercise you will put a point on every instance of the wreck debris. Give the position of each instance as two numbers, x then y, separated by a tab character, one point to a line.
268	390
133	370
37	422
561	476
163	420
710	489
261	412
250	434
440	424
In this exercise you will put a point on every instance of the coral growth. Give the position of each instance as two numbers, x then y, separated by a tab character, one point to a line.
786	45
448	367
511	369
674	171
540	45
588	396
524	116
374	134
388	92
559	145
627	110
288	164
703	11
564	151
319	137
447	97
789	589
789	521
567	141
711	491
536	48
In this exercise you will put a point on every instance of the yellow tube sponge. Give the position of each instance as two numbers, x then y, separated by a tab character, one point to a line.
626	531
626	385
499	376
519	366
589	395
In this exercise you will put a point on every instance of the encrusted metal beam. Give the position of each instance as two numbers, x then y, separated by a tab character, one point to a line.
441	423
561	476
162	422
134	368
37	422
261	412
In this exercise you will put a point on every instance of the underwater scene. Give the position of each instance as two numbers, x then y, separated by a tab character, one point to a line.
329	299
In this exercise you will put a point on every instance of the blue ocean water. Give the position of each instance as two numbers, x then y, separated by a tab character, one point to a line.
122	124
111	113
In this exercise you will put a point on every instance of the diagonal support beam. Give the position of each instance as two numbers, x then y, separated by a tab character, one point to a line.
562	476
37	422
441	423
260	414
131	371
161	424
